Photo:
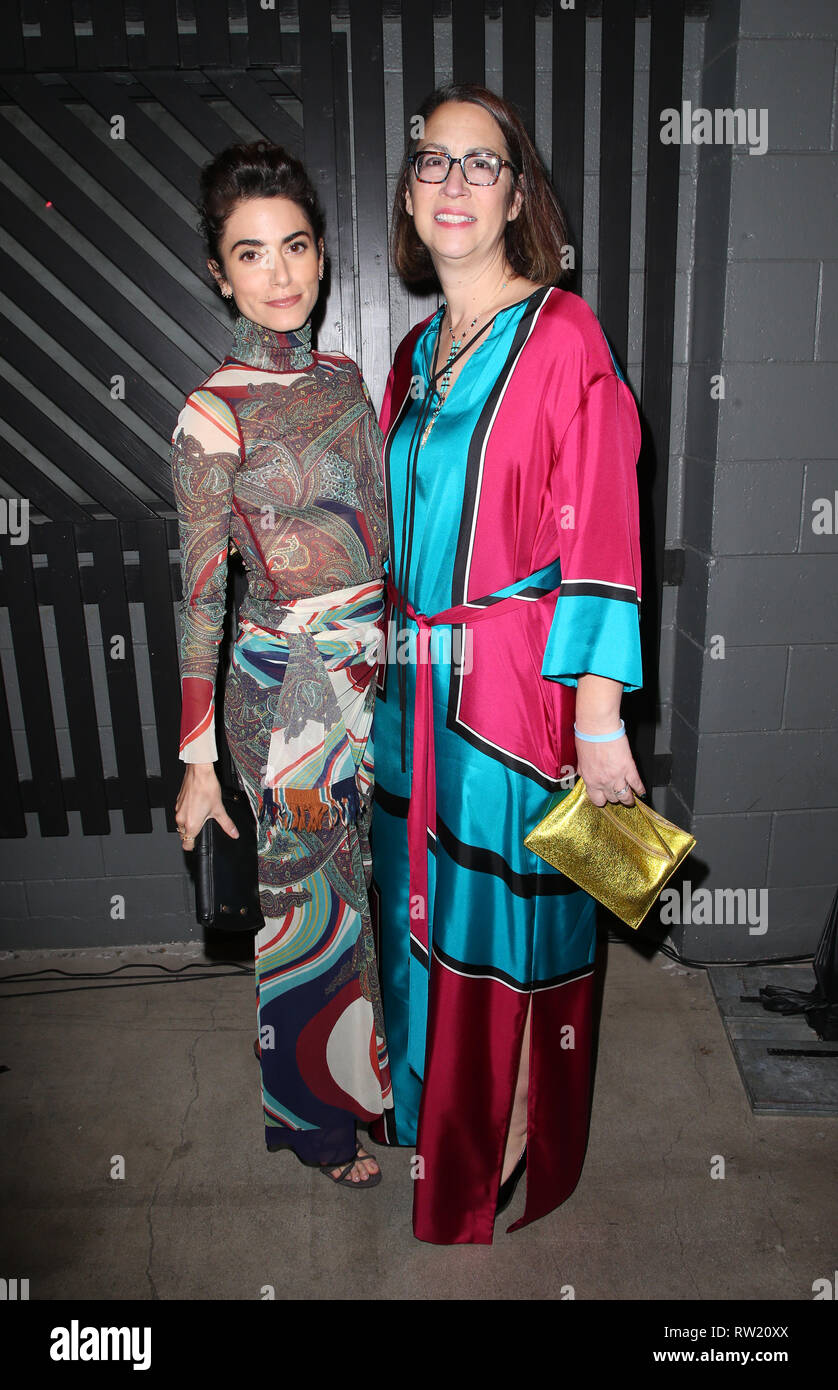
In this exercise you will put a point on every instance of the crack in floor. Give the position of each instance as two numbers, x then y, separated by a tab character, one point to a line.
177	1151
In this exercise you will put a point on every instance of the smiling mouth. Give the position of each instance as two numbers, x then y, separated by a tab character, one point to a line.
455	221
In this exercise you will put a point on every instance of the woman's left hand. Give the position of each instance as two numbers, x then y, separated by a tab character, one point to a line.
607	768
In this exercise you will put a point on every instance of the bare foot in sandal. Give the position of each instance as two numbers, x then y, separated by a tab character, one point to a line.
364	1166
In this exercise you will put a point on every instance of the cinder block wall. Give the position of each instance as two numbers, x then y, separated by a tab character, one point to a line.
755	730
91	890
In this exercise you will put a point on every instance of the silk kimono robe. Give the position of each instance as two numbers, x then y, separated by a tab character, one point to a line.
518	565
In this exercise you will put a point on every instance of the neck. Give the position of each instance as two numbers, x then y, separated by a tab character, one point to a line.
480	296
269	349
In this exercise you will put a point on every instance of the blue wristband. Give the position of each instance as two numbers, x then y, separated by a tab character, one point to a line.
601	738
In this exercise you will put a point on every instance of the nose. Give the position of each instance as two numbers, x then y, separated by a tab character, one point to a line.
455	173
278	270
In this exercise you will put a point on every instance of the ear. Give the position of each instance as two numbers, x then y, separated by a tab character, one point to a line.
408	202
517	200
218	275
321	256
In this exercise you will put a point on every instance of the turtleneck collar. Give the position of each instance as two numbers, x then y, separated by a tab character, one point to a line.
269	350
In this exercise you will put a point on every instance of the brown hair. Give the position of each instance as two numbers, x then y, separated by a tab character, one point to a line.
534	239
259	170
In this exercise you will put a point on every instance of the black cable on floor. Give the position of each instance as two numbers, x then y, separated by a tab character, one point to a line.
711	964
134	984
129	965
212	971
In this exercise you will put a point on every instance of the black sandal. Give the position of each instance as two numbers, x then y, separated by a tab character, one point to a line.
372	1180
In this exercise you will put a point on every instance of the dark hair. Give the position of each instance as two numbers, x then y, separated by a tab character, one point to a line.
259	170
534	239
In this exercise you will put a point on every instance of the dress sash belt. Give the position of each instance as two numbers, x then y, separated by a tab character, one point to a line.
318	655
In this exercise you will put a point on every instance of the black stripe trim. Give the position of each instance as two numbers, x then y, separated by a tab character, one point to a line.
389	802
390	1125
494	973
394	426
531	592
485	861
488	861
395	422
418	951
459	583
569	587
499	755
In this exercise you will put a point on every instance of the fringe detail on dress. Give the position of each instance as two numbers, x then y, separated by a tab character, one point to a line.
311	808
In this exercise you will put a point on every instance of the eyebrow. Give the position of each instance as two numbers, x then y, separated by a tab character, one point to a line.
438	145
254	241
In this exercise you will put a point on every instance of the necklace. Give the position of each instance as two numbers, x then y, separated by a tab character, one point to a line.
445	379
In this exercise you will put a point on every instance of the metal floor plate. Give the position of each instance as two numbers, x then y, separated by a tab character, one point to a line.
802	1082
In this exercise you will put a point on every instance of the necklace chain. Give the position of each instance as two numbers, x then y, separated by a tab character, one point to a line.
445	379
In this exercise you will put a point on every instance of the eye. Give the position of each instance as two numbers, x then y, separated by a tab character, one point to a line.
431	159
302	244
247	253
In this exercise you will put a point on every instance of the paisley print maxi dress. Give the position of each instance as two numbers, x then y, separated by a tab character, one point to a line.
279	450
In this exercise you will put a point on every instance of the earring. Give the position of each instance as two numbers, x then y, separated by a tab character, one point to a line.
226	293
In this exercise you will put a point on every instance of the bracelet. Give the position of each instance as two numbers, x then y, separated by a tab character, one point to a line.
601	738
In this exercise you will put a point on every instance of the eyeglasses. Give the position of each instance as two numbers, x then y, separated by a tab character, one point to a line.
432	166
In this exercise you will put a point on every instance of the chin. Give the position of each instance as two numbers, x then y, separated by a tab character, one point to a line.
444	241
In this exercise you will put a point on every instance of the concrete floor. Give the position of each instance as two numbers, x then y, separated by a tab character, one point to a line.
165	1076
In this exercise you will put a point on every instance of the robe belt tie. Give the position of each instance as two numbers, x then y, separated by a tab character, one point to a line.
421	815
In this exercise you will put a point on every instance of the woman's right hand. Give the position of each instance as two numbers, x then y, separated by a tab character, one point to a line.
200	800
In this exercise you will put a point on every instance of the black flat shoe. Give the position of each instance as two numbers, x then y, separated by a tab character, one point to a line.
506	1190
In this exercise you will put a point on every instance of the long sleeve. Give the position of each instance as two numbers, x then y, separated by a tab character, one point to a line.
387	403
204	458
383	425
371	450
596	625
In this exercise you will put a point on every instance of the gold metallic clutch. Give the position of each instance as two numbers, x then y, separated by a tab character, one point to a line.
621	855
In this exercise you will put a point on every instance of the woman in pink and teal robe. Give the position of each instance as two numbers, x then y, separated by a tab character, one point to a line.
514	573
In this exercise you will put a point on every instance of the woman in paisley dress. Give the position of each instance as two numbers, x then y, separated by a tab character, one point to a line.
278	451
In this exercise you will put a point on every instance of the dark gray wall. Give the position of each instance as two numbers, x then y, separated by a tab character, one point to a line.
755	734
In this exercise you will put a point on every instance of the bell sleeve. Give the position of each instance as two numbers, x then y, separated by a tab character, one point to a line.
204	458
596	625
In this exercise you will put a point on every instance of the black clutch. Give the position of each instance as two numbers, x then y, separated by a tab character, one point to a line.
227	870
